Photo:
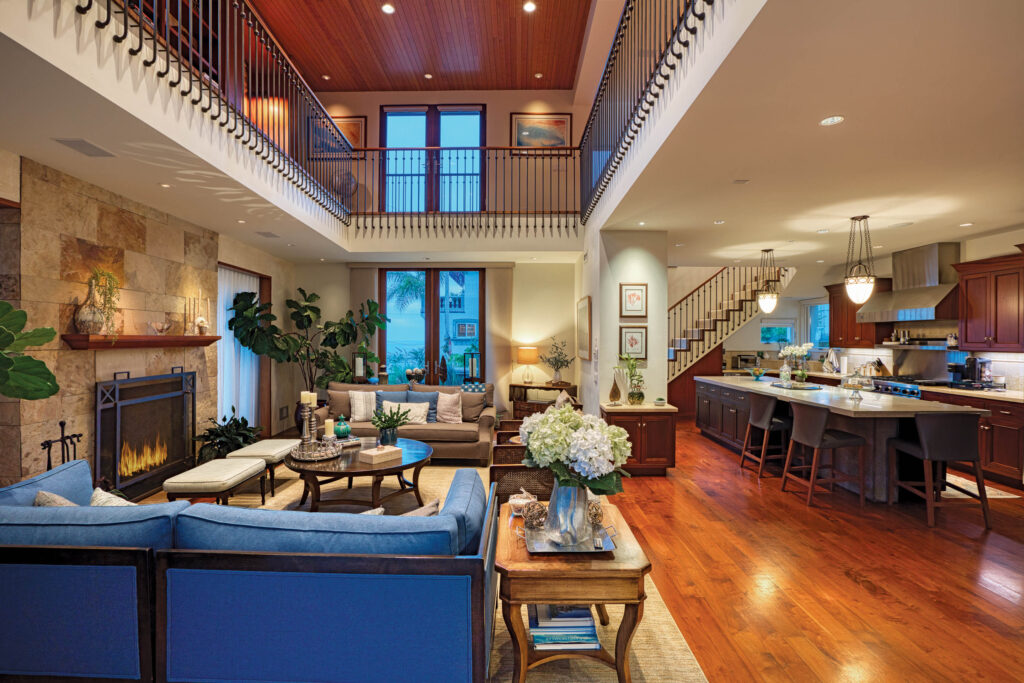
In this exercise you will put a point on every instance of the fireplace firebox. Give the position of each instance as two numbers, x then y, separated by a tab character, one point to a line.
145	429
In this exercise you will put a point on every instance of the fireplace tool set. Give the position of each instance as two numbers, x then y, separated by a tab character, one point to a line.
68	446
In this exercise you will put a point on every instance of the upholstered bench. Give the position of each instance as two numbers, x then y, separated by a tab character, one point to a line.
271	450
218	478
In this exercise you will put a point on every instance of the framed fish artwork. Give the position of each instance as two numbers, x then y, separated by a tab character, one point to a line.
540	130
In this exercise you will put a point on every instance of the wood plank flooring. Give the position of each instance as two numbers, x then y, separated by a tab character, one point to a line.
764	588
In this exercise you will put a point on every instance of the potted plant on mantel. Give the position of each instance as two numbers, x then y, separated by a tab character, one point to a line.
557	359
314	347
583	453
23	376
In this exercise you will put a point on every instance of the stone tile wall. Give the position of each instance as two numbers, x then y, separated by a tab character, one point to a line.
65	228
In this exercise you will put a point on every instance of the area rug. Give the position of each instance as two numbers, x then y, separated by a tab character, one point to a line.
971	485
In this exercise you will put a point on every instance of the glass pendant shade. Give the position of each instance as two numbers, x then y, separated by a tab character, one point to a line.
860	267
768	293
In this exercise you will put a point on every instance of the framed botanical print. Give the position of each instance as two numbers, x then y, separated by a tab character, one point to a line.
632	299
583	344
540	130
633	341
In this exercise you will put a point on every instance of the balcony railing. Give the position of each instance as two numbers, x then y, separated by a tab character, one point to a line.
505	189
649	47
219	55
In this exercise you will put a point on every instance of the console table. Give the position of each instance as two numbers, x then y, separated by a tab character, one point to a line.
522	407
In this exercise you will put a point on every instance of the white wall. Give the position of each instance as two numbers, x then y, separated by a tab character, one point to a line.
634	256
748	337
544	306
331	282
999	244
684	279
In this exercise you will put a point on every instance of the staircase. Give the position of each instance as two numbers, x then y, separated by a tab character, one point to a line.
712	312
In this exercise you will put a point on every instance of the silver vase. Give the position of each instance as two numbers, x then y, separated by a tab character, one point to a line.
567	522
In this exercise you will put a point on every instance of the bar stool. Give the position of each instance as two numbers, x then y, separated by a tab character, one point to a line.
762	417
809	430
942	438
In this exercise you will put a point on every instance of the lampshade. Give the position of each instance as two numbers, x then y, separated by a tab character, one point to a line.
527	355
860	287
767	301
860	273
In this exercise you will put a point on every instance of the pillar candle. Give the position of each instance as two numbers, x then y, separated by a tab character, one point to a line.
328	426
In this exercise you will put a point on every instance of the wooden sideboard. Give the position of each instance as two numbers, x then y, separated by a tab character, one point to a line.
652	432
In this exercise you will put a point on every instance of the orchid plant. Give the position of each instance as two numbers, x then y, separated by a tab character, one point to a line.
796	352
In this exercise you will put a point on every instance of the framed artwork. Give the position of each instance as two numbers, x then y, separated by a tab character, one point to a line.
583	345
633	341
632	299
353	128
324	144
540	130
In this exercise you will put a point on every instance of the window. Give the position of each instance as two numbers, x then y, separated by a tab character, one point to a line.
817	325
238	368
465	330
777	331
448	178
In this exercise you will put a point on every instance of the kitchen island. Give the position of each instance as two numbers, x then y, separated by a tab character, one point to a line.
723	410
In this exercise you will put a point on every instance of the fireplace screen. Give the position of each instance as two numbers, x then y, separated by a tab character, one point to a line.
144	430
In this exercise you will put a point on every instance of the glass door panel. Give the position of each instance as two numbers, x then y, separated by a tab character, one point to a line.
459	182
458	324
405	170
406	332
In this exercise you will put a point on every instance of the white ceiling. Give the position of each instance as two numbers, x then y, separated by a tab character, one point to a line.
933	95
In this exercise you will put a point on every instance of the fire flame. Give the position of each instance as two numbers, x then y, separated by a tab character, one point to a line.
134	461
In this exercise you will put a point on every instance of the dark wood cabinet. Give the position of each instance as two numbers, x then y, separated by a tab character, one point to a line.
843	329
1000	436
722	413
992	303
652	433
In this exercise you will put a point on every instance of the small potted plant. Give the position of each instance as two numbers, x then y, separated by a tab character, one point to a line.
557	359
226	437
387	423
97	313
636	380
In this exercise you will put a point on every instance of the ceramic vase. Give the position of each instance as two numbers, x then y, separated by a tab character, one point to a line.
567	522
89	316
388	437
556	377
342	428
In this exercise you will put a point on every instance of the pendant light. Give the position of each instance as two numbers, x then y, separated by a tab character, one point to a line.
860	274
768	294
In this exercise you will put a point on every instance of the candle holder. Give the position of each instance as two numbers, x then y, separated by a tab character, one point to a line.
311	423
305	412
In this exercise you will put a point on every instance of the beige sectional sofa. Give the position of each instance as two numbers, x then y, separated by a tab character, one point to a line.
470	440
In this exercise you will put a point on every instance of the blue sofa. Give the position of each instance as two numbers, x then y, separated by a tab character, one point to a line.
214	593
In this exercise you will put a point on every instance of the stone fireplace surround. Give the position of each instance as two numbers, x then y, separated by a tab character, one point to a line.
47	248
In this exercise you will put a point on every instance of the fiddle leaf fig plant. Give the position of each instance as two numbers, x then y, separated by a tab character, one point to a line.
22	376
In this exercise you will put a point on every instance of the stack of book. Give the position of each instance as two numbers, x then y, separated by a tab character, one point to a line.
563	627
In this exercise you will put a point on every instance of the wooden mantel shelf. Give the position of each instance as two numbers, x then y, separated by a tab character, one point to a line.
135	341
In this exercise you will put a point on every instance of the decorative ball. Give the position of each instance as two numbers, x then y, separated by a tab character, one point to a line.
595	515
535	514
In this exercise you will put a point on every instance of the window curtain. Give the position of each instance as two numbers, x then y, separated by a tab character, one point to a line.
238	368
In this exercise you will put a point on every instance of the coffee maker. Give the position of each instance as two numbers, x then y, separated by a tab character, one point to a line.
978	369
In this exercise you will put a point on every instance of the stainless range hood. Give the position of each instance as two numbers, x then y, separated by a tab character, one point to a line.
923	280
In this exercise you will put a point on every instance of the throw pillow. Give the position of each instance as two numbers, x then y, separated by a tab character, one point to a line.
417	411
428	510
362	404
449	408
374	511
338	403
472	406
101	498
430	398
393	396
45	499
563	399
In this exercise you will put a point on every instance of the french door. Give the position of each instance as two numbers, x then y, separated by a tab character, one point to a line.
433	162
436	318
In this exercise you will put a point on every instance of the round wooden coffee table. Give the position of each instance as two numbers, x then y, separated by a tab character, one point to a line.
415	454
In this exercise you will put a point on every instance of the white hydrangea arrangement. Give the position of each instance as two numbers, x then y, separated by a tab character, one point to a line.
801	351
581	450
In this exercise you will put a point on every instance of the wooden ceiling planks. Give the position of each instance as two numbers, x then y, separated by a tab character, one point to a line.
465	44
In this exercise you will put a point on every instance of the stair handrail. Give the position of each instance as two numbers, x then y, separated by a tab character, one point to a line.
712	277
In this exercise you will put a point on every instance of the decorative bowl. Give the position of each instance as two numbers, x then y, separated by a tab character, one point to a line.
756	373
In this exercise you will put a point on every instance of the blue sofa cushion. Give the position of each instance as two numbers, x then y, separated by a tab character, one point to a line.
393	396
138	526
72	480
425	397
466	503
219	527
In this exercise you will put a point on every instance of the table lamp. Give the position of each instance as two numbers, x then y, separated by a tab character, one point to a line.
527	355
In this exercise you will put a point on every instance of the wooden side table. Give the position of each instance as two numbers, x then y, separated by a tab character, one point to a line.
615	578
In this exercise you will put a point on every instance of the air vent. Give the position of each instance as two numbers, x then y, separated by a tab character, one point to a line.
741	181
268	235
83	147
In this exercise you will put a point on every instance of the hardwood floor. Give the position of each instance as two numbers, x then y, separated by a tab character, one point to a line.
764	588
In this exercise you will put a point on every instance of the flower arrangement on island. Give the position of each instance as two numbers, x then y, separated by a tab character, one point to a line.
580	450
796	352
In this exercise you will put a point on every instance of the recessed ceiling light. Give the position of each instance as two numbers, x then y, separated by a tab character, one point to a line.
428	76
533	258
387	8
966	225
290	244
322	260
538	75
719	222
164	185
240	220
736	260
822	231
878	246
529	6
326	77
680	244
741	181
641	223
821	260
831	120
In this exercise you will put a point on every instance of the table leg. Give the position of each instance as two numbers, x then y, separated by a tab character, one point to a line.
602	615
513	615
416	482
313	486
631	616
375	492
305	491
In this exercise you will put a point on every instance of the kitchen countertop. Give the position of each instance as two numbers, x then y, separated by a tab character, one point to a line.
838	400
1010	396
643	407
